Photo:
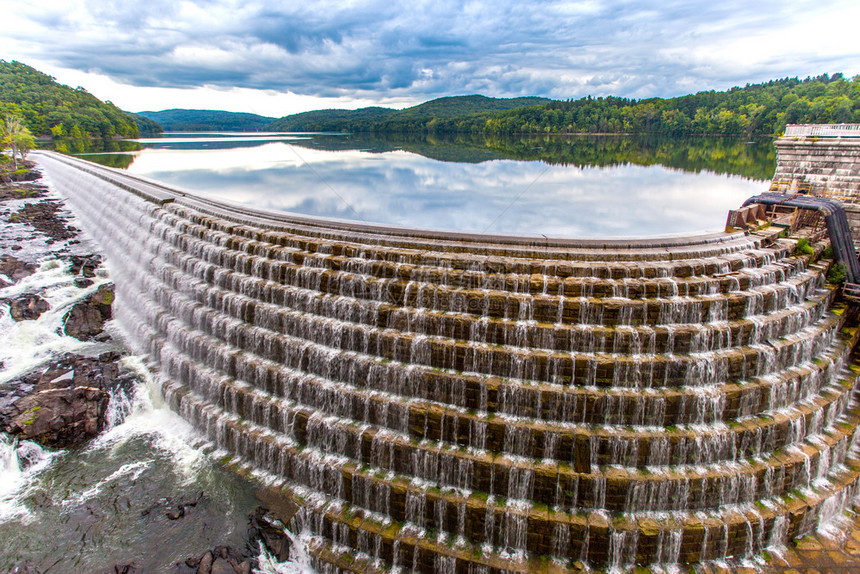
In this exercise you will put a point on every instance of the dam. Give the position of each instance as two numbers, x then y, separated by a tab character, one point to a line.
452	402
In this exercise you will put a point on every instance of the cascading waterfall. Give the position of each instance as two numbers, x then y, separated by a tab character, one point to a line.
442	402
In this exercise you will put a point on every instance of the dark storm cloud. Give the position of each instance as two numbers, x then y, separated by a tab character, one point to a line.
418	49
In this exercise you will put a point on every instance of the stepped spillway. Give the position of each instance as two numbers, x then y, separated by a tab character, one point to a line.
460	403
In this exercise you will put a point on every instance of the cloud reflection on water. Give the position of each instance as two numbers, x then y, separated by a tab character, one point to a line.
499	196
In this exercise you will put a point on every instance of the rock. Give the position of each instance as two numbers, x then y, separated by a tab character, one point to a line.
84	265
86	319
64	405
178	509
222	566
60	418
268	529
176	514
26	568
220	560
45	216
27	307
15	269
205	565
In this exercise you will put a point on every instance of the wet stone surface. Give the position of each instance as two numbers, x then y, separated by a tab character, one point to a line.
65	404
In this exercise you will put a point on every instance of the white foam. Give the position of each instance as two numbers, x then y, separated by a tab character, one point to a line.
16	482
150	416
298	563
28	344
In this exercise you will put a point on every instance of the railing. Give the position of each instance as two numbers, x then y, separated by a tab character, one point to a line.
791	187
823	130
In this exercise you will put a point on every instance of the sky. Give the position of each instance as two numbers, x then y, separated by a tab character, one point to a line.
279	58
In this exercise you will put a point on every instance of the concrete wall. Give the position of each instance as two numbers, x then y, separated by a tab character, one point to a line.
457	403
831	167
829	164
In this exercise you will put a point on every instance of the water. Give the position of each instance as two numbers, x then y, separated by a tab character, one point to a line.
28	344
610	187
106	503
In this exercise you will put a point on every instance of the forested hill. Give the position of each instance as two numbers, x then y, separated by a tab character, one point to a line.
415	119
180	120
49	108
754	110
146	126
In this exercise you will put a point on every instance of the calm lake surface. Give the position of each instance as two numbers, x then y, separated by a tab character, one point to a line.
563	187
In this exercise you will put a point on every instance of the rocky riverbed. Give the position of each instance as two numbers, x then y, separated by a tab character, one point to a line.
97	475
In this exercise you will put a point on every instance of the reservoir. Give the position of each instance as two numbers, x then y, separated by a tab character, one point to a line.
559	187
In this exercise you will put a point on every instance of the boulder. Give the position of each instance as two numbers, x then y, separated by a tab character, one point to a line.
268	529
59	417
86	319
84	265
27	307
14	269
220	560
64	405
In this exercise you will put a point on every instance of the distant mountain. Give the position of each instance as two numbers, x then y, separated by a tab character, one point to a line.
181	120
416	118
455	106
327	120
49	108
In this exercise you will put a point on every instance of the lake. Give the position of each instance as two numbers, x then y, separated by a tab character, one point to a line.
564	187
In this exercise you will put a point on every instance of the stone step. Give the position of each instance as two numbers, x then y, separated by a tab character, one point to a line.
751	437
179	312
245	402
800	512
748	267
227	318
499	305
667	279
491	303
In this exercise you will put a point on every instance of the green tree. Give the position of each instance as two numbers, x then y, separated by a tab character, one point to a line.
15	135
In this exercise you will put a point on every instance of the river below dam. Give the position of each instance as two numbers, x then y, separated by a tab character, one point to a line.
146	494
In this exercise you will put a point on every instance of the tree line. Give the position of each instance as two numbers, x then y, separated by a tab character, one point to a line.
753	110
48	108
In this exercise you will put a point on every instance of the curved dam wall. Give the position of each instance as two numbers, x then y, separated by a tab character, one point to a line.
457	403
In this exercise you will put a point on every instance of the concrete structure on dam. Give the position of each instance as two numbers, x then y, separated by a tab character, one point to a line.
446	402
822	160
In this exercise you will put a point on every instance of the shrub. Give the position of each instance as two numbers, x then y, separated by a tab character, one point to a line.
803	247
837	274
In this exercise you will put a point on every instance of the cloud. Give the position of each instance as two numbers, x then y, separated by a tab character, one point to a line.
411	51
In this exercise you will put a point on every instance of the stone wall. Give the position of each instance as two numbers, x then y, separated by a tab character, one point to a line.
831	167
